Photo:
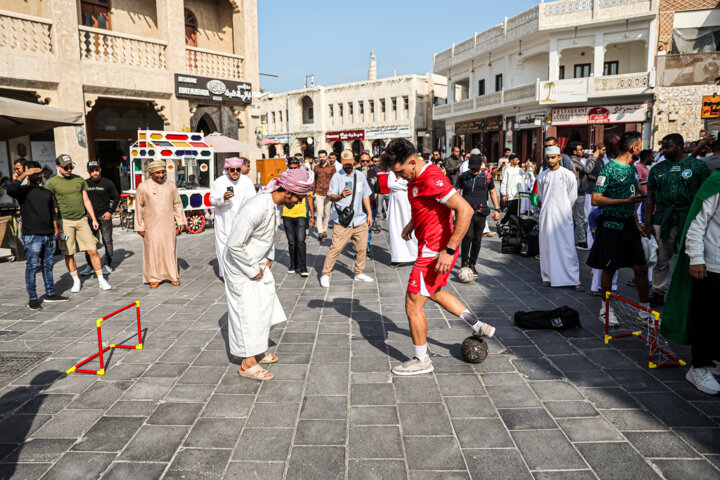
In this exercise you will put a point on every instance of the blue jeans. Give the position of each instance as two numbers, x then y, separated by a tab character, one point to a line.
370	230
39	247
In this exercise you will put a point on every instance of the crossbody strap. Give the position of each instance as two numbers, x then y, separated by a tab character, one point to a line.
352	200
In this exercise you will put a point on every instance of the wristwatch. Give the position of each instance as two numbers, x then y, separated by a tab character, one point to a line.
450	251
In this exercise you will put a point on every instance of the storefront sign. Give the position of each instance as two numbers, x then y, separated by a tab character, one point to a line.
710	107
564	91
345	136
278	138
529	121
473	126
212	89
632	113
494	124
402	131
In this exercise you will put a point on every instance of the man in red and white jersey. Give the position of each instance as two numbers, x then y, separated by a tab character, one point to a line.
432	200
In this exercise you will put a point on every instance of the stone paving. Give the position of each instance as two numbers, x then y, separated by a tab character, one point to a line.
543	405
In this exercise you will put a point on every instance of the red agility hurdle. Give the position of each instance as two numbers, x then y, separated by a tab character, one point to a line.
652	335
102	350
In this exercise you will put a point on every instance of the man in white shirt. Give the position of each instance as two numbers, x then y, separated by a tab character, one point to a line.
511	184
227	194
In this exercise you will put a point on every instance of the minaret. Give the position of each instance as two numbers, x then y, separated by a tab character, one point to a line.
372	71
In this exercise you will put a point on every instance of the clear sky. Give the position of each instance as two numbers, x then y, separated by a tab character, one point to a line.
333	38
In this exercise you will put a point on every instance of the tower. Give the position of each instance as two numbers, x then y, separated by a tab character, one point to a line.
372	71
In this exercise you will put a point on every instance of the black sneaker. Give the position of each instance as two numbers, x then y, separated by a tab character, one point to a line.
34	305
369	255
304	272
472	268
582	246
55	298
291	270
657	300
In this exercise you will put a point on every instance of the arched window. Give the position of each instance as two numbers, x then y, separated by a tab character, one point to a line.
308	115
190	29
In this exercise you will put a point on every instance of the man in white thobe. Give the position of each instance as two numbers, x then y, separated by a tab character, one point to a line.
557	188
399	215
253	306
227	194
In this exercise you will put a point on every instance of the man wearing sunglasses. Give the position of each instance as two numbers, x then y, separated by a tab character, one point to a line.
227	194
73	203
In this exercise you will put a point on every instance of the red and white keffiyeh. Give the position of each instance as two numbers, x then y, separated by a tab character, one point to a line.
297	181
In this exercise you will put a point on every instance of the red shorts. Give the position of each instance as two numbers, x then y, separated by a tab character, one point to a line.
424	280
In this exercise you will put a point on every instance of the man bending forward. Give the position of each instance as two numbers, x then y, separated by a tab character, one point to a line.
432	200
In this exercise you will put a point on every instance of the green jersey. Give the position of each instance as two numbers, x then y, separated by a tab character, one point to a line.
68	194
616	181
674	184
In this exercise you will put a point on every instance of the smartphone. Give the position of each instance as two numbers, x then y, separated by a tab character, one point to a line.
63	236
230	189
348	185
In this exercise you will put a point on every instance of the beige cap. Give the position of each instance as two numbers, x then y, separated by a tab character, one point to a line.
347	155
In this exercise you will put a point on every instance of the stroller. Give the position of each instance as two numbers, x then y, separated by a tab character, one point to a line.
519	235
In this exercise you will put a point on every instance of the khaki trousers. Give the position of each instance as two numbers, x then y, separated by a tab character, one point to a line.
340	237
663	269
322	212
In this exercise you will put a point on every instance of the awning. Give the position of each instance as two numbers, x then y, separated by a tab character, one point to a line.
18	118
223	144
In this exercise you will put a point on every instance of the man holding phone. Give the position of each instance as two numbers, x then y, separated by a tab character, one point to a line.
617	241
227	194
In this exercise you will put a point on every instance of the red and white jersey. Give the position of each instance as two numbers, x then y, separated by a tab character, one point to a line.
431	218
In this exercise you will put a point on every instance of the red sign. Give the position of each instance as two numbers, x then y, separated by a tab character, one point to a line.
598	115
345	136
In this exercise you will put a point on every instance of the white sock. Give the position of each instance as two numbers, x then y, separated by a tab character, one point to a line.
74	276
421	351
99	274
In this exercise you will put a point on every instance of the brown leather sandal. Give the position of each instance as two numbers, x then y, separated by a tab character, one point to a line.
269	358
154	284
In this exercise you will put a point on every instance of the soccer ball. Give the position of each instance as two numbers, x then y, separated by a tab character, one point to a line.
466	275
474	349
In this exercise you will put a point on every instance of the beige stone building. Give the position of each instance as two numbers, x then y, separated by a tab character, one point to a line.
127	64
687	95
363	115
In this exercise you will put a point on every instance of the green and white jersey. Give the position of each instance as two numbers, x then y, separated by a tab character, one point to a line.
675	184
617	181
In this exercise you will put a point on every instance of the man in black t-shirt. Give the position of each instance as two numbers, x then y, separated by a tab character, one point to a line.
474	187
105	199
39	229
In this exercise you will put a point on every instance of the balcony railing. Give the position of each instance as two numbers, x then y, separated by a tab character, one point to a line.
124	49
688	69
627	84
214	64
25	33
488	101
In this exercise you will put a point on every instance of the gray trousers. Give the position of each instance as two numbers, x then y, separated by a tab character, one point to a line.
580	219
383	199
663	268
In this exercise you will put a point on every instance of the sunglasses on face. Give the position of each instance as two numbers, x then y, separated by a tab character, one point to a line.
234	170
67	167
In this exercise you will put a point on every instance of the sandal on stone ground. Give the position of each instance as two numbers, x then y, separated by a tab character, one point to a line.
579	288
154	284
175	283
256	373
547	284
269	358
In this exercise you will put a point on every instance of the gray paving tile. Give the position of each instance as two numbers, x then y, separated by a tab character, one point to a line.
374	442
683	469
512	396
38	450
204	375
109	434
673	410
372	394
316	462
424	419
439	475
281	391
273	415
446	453
373	416
547	450
470	407
416	389
214	433
327	379
460	385
320	432
126	470
660	444
376	470
324	408
494	433
154	443
228	406
255	470
79	465
589	430
198	463
264	444
571	409
526	419
704	440
626	463
565	475
555	390
496	463
175	414
23	470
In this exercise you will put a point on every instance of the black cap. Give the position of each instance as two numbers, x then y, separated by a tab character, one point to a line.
93	164
475	162
293	160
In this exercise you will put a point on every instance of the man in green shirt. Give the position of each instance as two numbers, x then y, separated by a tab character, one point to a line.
617	241
70	193
672	185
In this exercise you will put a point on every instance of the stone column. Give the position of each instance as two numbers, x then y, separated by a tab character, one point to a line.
553	61
599	55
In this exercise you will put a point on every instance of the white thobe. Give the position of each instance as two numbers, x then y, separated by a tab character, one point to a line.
526	205
398	216
253	306
225	210
558	258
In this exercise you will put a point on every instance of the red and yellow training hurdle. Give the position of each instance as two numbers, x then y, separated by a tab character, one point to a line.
102	350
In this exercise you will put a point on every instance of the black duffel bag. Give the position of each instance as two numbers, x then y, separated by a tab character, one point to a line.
558	319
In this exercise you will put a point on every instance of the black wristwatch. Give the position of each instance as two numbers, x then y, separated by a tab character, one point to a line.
450	251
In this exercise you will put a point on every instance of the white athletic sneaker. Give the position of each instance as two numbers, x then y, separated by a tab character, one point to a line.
76	286
612	321
325	281
103	284
414	366
485	330
86	271
703	380
363	278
